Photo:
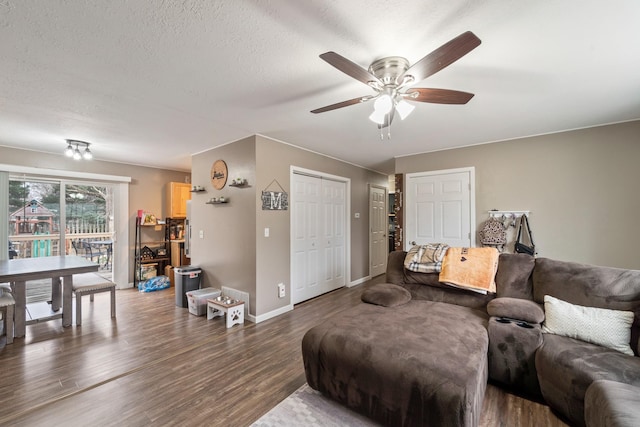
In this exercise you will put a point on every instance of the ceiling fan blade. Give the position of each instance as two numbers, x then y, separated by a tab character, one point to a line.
341	104
349	68
443	56
438	96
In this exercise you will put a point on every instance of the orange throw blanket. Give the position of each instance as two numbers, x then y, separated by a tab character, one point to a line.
471	268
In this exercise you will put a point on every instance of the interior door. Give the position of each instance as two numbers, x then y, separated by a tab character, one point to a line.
440	208
318	236
378	229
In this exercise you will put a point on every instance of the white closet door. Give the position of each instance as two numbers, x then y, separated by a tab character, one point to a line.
318	215
438	208
305	247
333	204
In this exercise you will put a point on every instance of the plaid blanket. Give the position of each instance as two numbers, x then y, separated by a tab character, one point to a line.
426	258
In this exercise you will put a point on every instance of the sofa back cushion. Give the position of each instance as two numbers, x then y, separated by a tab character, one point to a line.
513	279
590	286
426	286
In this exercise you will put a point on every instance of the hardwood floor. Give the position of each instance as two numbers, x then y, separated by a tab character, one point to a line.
156	364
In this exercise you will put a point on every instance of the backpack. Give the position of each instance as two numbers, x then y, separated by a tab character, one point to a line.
493	233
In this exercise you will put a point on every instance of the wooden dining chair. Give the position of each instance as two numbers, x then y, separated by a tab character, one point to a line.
7	306
90	284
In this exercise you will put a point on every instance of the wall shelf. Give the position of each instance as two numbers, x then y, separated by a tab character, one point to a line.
240	184
198	191
217	202
507	214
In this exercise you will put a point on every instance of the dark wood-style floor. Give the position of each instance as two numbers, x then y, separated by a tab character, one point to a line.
156	364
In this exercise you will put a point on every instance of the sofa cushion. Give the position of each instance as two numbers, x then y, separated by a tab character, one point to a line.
426	286
513	278
566	367
605	327
612	404
589	285
386	294
516	308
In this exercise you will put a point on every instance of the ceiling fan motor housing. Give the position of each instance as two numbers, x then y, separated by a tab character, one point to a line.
389	69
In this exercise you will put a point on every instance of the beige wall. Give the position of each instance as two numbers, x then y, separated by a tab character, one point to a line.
580	186
274	162
244	258
146	191
227	251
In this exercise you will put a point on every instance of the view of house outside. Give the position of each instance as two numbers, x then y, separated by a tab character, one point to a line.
35	218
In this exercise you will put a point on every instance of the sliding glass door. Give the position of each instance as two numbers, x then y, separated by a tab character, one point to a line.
55	217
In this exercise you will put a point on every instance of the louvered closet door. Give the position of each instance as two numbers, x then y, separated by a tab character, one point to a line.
318	215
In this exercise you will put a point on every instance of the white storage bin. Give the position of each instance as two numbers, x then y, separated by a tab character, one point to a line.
197	300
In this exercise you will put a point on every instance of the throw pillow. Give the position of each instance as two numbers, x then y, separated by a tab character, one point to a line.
386	294
601	326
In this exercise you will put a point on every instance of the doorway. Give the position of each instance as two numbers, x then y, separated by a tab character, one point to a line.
378	230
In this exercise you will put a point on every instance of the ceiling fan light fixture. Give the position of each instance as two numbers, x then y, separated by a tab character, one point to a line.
404	109
377	117
383	104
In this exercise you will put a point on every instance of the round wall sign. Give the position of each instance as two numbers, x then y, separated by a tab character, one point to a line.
219	174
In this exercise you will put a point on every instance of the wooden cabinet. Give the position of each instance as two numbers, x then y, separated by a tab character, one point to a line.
177	195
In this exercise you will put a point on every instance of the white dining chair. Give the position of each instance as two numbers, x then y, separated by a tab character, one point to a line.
7	306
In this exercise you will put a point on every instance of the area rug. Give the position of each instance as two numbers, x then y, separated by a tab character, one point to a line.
307	407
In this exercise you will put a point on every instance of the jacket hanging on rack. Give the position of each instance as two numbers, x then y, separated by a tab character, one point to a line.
524	233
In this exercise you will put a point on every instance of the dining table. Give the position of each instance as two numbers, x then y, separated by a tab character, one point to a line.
60	269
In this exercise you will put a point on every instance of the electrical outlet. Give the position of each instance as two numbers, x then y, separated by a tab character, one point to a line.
201	234
281	290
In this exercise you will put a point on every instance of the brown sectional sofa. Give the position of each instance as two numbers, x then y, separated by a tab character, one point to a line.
418	352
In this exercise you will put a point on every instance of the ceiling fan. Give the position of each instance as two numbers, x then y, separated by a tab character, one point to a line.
392	77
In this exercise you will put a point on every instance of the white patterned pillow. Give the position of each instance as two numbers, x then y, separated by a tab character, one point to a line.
608	328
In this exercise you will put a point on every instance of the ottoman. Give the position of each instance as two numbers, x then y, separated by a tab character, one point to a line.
415	364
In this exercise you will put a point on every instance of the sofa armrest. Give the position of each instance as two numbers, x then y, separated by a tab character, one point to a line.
516	308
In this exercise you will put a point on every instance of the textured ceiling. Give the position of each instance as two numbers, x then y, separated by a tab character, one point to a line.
152	82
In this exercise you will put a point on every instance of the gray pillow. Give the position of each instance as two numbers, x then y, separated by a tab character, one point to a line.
386	294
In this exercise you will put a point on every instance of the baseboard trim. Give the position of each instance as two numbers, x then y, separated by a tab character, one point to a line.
271	314
358	281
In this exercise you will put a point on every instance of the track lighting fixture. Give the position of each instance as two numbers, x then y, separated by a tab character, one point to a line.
75	153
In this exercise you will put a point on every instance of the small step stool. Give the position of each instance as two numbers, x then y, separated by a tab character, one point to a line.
234	311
